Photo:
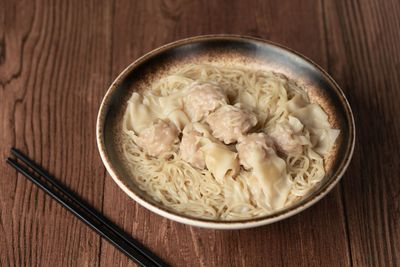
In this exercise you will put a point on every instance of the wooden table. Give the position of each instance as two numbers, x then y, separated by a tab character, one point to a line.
56	62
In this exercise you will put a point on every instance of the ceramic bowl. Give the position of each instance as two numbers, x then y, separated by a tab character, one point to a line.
236	51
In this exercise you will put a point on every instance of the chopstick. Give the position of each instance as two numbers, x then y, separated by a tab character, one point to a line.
81	203
132	248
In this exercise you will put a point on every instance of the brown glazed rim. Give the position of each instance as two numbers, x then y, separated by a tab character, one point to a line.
218	224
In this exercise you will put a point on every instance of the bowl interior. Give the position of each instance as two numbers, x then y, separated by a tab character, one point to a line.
232	51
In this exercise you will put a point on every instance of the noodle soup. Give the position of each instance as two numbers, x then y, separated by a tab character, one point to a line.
225	143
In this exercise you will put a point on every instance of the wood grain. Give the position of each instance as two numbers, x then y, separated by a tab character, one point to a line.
57	59
364	57
54	68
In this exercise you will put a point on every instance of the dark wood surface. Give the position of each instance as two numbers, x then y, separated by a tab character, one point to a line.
57	59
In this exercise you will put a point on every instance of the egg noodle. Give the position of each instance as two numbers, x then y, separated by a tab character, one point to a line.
274	99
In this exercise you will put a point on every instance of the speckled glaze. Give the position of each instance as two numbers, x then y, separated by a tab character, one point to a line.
229	50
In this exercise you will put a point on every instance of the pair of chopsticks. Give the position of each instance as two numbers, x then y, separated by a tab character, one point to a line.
132	248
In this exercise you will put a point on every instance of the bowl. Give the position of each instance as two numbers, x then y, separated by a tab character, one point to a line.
236	51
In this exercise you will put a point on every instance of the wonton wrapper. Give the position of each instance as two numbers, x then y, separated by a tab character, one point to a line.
316	120
236	194
143	111
168	107
220	161
138	116
270	173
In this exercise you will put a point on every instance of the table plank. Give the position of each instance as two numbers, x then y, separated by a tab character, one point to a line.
54	67
364	55
301	240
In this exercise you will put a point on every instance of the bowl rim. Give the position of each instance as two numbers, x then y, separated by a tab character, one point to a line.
218	224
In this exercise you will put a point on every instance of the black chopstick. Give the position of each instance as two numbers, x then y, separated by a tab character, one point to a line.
35	167
91	217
